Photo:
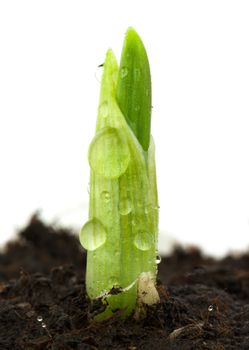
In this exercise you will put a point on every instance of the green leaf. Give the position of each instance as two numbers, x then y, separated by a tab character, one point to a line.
134	87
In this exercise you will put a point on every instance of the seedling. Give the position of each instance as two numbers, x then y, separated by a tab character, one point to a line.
121	234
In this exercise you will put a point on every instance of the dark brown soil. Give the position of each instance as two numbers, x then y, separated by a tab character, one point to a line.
204	303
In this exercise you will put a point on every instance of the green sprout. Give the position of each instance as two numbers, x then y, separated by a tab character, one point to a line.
122	232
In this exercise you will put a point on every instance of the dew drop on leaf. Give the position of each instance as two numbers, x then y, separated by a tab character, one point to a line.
124	72
109	153
147	209
133	222
92	234
103	109
124	206
143	240
105	196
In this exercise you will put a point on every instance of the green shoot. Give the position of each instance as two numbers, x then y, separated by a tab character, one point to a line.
121	234
134	87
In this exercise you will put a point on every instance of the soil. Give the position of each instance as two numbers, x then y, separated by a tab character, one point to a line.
204	302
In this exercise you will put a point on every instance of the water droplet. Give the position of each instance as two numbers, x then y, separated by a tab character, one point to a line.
133	222
124	72
147	92
117	253
210	308
143	240
152	207
137	108
148	208
158	259
44	326
92	234
109	153
39	318
105	196
124	206
137	74
103	109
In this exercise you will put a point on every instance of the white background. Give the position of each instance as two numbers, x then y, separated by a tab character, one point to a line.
199	56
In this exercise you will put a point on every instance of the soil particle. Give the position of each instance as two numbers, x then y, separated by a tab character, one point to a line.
204	303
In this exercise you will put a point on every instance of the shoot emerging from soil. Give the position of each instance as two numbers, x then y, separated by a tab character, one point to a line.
121	234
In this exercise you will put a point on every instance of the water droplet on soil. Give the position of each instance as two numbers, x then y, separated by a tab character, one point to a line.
210	308
39	318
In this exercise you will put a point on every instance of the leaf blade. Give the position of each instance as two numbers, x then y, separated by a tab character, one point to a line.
134	87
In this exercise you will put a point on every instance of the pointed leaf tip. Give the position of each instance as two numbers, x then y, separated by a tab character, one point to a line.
134	87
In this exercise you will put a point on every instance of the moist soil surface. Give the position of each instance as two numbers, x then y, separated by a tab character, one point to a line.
43	305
